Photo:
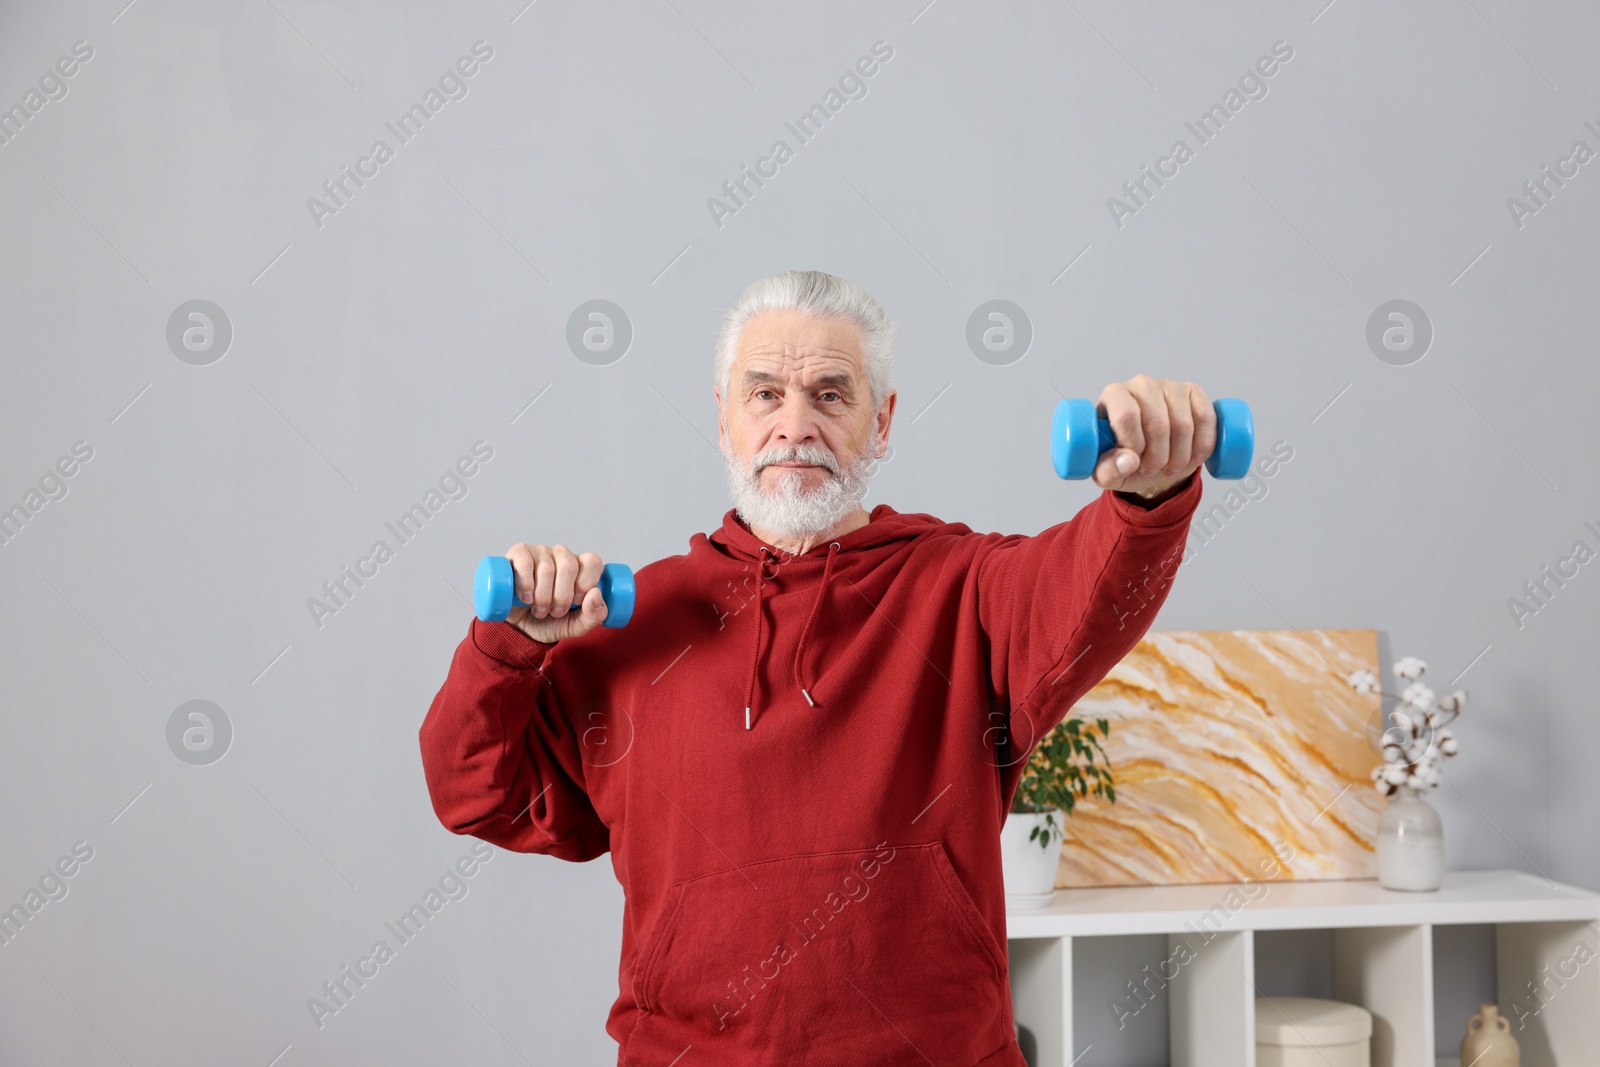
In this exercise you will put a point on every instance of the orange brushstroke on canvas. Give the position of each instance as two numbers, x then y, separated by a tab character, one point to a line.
1224	744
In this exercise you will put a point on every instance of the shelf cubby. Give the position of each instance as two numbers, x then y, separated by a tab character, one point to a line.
1167	976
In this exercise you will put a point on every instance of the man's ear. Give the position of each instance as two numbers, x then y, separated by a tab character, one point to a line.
884	416
722	431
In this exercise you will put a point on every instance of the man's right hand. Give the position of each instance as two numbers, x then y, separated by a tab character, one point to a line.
549	580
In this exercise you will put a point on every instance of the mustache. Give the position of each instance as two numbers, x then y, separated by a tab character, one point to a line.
795	454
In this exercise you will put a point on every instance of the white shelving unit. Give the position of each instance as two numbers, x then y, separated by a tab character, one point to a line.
1382	958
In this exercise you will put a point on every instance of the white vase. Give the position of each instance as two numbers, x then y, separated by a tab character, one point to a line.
1410	843
1028	867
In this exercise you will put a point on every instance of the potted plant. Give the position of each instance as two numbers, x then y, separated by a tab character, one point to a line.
1067	766
1410	848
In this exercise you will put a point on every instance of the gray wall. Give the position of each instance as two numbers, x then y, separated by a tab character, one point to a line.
371	348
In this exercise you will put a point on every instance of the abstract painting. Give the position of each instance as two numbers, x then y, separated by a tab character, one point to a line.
1236	753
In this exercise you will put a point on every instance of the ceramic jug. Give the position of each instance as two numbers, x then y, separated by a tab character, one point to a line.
1489	1042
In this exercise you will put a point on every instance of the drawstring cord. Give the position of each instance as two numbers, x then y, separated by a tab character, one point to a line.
755	647
822	591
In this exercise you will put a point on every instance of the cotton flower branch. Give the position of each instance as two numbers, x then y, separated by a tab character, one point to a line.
1420	738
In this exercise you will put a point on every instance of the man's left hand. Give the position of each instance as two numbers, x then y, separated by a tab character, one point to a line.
1164	429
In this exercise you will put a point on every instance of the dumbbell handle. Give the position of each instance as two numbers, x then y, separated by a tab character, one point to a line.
1075	454
494	591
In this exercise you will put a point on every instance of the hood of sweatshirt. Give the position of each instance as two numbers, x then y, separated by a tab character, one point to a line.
847	557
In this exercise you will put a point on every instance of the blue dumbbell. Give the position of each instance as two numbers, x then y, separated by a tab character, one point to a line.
494	591
1078	437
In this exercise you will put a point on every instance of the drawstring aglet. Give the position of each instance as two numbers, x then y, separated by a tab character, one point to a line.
747	718
807	695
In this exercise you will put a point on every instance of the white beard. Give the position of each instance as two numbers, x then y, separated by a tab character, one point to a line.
788	510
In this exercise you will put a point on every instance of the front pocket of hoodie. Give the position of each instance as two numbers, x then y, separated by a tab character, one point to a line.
824	958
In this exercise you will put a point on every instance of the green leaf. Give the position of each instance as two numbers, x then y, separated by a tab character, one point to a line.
1067	765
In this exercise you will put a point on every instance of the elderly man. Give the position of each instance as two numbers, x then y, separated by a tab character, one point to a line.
800	750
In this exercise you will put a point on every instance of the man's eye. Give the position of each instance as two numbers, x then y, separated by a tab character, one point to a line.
830	393
762	393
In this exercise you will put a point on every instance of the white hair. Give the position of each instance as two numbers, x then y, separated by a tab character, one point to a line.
814	293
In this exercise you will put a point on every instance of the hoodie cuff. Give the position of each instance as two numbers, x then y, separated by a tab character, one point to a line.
503	642
1175	509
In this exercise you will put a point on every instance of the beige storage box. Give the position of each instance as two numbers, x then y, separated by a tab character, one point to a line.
1306	1032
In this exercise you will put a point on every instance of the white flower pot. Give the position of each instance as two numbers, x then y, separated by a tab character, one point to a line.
1027	867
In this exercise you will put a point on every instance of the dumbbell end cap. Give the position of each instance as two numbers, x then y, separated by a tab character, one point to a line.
1236	439
493	588
1074	439
616	586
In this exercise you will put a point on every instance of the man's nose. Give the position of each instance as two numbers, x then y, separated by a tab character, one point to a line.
796	423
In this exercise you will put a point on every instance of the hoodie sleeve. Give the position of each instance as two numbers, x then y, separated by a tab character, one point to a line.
501	759
1061	608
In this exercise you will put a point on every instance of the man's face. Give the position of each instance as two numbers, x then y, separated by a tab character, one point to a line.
799	386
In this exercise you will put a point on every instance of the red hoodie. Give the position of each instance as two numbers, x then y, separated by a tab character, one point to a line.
819	884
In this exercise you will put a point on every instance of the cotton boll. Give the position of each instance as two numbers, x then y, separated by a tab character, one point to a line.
1395	774
1417	696
1409	667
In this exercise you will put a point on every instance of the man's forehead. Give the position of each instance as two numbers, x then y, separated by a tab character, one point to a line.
788	341
787	359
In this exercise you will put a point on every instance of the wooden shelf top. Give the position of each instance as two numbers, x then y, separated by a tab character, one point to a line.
1465	897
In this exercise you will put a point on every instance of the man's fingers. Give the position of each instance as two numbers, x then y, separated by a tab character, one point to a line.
1155	420
563	585
1118	407
1205	424
1180	412
1109	475
523	560
1167	425
593	604
590	567
548	582
544	577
